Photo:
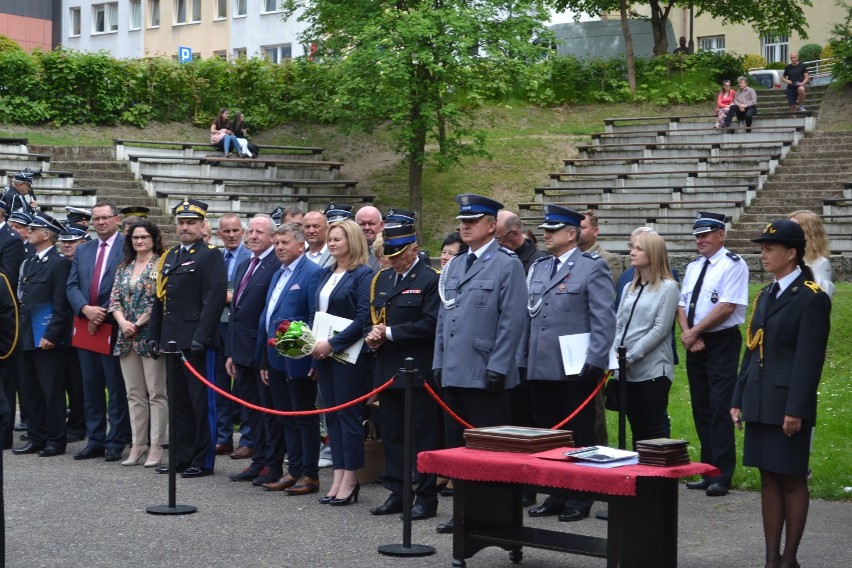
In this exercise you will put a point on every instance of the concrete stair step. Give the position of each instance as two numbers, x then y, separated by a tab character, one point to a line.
108	183
815	168
773	185
89	165
75	152
812	136
808	177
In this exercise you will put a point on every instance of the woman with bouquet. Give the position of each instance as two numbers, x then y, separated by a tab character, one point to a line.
344	291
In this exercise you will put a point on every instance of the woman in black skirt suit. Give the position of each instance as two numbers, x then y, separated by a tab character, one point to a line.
776	392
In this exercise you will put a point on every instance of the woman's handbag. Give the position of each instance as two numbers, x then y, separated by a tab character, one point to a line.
374	456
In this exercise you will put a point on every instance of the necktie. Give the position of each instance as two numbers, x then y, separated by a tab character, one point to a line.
690	314
398	280
471	258
96	275
229	256
773	292
555	268
245	280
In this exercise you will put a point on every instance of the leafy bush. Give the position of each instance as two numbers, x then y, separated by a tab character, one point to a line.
7	44
777	65
753	61
841	47
809	52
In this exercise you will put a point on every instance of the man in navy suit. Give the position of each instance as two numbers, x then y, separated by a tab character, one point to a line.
251	280
234	252
292	297
89	288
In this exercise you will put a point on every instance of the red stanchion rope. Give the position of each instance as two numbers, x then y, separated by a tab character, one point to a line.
458	419
283	412
446	408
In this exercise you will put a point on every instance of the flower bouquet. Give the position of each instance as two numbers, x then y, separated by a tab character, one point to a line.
295	340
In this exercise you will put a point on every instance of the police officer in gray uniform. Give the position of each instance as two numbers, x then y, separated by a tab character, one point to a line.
570	293
479	323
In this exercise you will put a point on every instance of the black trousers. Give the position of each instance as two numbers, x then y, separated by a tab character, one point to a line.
712	375
76	422
553	401
301	434
426	425
742	115
248	385
9	376
647	408
476	407
43	395
189	401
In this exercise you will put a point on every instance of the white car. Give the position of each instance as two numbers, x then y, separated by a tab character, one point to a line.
768	78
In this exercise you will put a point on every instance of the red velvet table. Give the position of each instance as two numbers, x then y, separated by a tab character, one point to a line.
487	511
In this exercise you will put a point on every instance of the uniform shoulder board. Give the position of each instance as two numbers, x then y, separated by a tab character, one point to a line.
696	258
592	255
435	270
813	286
732	256
507	251
211	246
539	259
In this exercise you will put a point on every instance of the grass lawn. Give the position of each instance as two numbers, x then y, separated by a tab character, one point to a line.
830	462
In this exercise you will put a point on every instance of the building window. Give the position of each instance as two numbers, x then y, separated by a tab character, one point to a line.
155	13
775	48
221	9
221	55
716	44
105	18
240	8
277	53
270	5
240	53
135	14
75	22
187	11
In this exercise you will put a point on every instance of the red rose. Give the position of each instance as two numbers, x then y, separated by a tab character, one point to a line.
271	342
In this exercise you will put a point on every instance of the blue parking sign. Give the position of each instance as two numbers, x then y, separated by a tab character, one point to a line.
184	54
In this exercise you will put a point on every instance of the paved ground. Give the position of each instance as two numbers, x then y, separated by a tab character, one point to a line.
66	513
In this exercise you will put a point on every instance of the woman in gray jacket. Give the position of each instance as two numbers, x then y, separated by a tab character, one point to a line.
644	326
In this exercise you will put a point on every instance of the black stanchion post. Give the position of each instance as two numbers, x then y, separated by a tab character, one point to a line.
622	397
406	548
172	370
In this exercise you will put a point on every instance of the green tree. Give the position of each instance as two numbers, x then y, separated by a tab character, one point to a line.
765	16
423	66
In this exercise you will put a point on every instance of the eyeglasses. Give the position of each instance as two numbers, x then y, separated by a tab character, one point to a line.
506	234
448	253
140	237
104	218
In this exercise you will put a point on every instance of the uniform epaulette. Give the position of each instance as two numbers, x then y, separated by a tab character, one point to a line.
814	287
211	246
539	259
733	256
592	255
696	258
435	270
507	251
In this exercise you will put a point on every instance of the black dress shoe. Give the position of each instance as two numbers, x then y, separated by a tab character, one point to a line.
28	448
268	477
21	427
72	437
701	484
50	451
164	469
195	471
420	511
528	500
391	506
112	455
545	510
248	474
90	452
571	514
717	489
445	528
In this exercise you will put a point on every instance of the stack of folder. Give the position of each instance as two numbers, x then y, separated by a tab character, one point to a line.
662	452
517	439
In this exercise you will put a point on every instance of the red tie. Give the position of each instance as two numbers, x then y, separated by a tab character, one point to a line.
245	280
96	276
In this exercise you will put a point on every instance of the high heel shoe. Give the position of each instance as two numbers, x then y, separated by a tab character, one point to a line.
352	497
135	460
155	454
327	499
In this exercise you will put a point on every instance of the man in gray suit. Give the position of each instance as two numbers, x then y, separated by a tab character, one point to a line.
479	323
570	293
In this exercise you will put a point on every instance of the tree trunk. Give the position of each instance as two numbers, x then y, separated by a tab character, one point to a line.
628	47
658	28
416	158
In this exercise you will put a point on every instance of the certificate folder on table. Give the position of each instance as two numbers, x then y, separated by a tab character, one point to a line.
517	439
100	342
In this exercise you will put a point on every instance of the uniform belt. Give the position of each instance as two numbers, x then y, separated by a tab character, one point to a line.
722	332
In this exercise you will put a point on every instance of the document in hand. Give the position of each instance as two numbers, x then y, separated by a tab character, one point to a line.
574	349
327	326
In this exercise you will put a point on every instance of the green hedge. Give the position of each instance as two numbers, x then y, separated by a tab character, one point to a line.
67	87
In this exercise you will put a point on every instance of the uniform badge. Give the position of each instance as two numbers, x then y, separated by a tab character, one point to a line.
487	257
561	286
714	297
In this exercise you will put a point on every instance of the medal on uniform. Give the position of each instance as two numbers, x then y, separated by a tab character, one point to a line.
714	297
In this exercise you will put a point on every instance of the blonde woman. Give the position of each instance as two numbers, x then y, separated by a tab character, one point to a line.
344	290
644	326
816	250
